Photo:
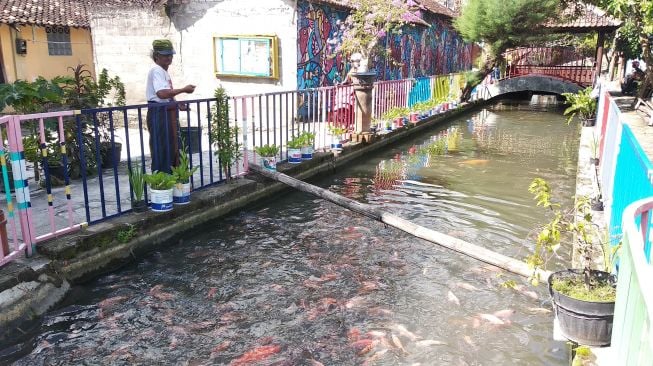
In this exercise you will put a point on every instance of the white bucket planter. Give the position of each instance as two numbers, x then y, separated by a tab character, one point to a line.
161	200
307	152
269	162
294	156
336	143
181	193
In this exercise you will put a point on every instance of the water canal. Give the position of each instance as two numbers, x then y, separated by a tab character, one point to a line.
301	281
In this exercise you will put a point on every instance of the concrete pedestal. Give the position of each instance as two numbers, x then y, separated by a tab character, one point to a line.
363	85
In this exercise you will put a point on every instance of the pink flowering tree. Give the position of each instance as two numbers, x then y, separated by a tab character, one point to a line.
369	23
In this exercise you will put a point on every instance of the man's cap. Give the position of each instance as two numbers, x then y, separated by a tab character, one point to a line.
163	47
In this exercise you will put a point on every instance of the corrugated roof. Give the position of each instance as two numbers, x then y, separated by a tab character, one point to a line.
584	16
72	13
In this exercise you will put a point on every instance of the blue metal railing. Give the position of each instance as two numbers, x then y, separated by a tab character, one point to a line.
114	129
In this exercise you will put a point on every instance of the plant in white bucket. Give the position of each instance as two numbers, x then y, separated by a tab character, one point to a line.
295	150
182	174
307	138
268	155
161	184
336	137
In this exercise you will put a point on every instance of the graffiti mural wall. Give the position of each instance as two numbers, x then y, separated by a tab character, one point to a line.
418	51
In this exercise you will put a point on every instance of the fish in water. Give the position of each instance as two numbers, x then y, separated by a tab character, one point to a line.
453	298
492	319
405	332
475	162
466	286
364	346
211	294
504	314
157	292
255	355
539	310
429	342
397	343
111	301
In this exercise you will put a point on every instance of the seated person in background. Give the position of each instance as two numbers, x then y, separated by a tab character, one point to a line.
629	87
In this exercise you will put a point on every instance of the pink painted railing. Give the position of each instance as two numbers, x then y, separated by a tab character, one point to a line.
390	94
19	205
64	222
14	246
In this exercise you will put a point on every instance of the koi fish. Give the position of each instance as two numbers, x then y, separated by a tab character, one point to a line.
466	286
159	294
539	310
256	355
364	346
211	294
504	314
452	298
405	332
397	343
475	162
111	301
429	342
492	319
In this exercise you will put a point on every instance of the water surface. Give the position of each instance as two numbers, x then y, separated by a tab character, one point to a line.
301	281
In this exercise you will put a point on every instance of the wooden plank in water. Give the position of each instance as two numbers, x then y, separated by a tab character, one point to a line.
449	242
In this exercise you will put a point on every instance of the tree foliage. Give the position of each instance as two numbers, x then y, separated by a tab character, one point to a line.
501	24
368	23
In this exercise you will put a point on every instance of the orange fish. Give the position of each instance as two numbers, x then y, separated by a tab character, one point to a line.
256	355
475	162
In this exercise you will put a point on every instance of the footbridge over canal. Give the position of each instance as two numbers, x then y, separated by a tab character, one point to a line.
531	83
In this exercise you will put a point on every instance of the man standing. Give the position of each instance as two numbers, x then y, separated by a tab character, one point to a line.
162	120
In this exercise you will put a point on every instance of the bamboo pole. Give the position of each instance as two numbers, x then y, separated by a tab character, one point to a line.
449	242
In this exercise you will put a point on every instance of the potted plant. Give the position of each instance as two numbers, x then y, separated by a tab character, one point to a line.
308	139
161	184
594	147
581	104
336	137
137	182
295	149
583	299
268	155
222	136
182	174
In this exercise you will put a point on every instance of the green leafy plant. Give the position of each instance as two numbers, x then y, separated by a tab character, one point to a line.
296	142
137	181
183	171
578	224
267	150
126	234
337	131
307	138
222	136
160	180
581	104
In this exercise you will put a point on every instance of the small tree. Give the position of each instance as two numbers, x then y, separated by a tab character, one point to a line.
500	25
224	137
369	23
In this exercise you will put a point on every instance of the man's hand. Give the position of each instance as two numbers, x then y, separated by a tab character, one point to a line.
190	88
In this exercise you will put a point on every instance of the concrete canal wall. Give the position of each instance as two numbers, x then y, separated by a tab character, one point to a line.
30	286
